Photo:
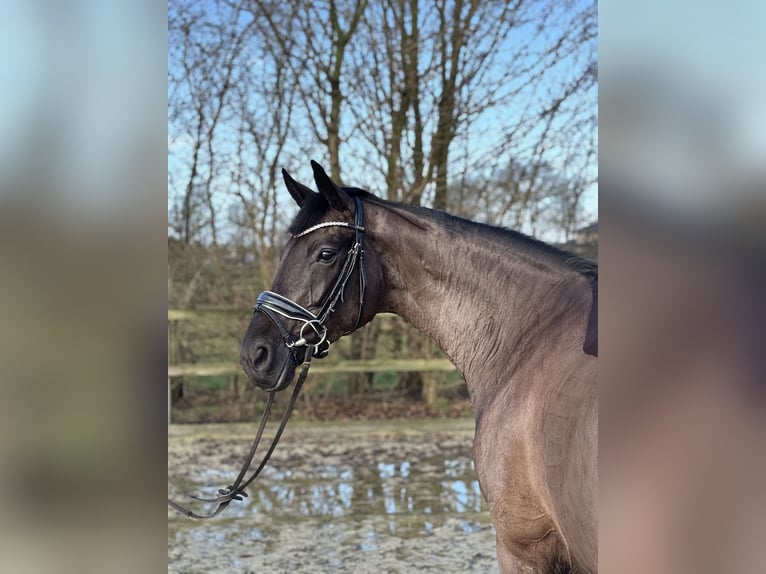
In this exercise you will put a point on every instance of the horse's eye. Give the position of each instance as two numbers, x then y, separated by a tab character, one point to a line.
326	255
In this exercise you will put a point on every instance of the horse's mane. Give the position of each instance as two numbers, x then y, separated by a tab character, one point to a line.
316	207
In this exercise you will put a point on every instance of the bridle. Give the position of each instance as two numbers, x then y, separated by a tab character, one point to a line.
314	327
312	335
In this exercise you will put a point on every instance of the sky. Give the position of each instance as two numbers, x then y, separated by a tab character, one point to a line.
361	175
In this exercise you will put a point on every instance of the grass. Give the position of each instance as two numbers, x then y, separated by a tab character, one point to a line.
209	383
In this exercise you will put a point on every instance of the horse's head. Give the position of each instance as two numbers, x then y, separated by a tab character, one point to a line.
327	284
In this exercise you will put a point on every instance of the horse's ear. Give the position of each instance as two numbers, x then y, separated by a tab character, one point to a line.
335	196
299	192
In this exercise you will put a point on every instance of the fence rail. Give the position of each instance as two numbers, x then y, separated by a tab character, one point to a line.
200	314
369	366
233	368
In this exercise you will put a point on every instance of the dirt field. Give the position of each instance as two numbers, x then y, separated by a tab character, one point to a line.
396	496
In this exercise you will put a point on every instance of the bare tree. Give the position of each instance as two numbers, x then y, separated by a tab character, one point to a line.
264	103
432	77
311	40
482	107
205	44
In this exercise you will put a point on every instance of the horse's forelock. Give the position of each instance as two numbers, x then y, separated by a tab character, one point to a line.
310	214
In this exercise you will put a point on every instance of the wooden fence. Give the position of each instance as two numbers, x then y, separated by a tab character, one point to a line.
231	368
369	366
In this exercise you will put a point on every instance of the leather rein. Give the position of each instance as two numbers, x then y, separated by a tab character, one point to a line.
312	335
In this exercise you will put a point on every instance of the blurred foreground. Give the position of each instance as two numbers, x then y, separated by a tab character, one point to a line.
682	428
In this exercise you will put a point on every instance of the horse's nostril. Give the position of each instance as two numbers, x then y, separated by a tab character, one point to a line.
259	356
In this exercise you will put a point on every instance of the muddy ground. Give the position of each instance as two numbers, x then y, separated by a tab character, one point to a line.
392	496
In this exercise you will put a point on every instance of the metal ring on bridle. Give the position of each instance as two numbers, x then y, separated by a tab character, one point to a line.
316	326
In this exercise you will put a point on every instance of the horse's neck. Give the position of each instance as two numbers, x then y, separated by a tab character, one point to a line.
482	302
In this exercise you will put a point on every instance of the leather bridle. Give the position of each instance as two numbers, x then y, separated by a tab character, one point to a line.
312	335
314	329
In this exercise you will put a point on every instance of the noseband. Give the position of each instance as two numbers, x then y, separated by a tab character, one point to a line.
312	335
313	330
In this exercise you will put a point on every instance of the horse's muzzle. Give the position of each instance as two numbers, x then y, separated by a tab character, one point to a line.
268	365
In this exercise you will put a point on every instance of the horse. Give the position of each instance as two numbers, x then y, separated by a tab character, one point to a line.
516	316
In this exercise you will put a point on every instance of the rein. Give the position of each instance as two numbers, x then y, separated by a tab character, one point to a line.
313	327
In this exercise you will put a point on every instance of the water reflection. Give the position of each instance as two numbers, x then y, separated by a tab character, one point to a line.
390	488
340	514
434	486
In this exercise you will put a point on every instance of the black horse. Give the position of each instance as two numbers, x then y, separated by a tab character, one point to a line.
516	316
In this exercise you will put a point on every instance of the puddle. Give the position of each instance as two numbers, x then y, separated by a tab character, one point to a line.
348	498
